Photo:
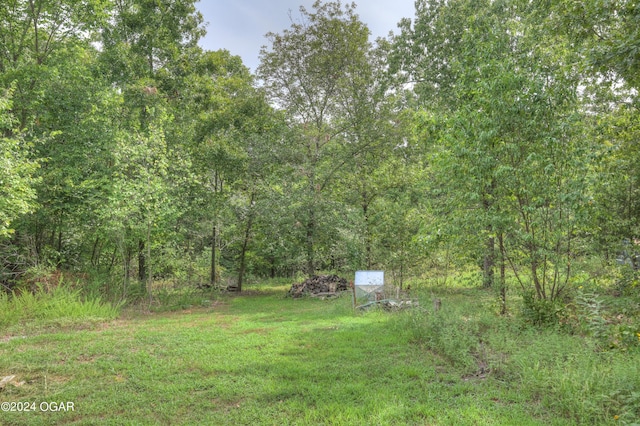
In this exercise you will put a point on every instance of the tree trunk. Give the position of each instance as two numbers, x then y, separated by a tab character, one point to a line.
490	250
488	263
217	189
367	234
126	270
540	292
311	219
95	252
113	259
149	271
310	249
272	266
214	234
503	277
245	244
59	248
142	267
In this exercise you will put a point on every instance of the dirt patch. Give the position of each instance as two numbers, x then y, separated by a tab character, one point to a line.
262	330
257	293
86	359
7	339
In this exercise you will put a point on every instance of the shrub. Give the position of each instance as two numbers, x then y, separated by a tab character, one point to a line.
541	312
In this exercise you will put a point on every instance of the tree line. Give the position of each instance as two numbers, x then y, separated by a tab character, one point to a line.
500	134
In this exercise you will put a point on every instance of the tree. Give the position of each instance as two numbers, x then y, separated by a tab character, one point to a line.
606	35
147	39
437	54
17	195
146	50
375	135
616	181
139	203
231	116
304	72
502	109
44	52
608	32
31	32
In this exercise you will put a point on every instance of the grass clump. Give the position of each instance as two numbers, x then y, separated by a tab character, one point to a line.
447	333
61	303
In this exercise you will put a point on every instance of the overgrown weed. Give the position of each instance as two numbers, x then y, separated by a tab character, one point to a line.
591	376
59	303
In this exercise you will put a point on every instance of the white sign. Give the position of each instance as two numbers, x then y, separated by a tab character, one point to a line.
367	283
369	278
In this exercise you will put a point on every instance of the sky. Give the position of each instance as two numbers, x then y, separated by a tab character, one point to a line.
240	25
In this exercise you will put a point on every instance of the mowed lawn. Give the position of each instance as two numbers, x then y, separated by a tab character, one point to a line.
258	358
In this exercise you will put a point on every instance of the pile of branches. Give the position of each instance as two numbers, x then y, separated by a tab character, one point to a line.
319	285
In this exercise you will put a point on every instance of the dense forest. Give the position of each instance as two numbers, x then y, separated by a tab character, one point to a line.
498	137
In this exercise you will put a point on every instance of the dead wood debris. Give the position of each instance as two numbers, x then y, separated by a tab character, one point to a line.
319	285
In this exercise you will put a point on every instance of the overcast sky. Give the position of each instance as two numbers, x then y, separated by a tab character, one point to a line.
240	25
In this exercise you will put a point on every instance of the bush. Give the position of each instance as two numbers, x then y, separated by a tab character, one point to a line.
571	378
541	312
612	322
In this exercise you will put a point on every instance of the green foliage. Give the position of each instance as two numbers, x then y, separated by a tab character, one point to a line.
501	133
591	313
325	75
17	195
627	402
176	298
498	134
147	39
486	133
612	322
62	304
617	185
607	32
541	312
571	379
7	315
627	280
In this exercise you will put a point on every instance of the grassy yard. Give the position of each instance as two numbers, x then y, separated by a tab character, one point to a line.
261	358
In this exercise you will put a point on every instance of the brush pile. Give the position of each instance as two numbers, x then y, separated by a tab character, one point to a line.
319	285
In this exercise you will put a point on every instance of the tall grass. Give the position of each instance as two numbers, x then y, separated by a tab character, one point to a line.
568	374
62	303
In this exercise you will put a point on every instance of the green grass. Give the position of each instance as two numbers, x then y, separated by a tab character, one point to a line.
261	358
565	368
62	304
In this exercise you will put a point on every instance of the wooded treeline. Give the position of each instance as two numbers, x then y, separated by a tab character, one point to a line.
500	134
